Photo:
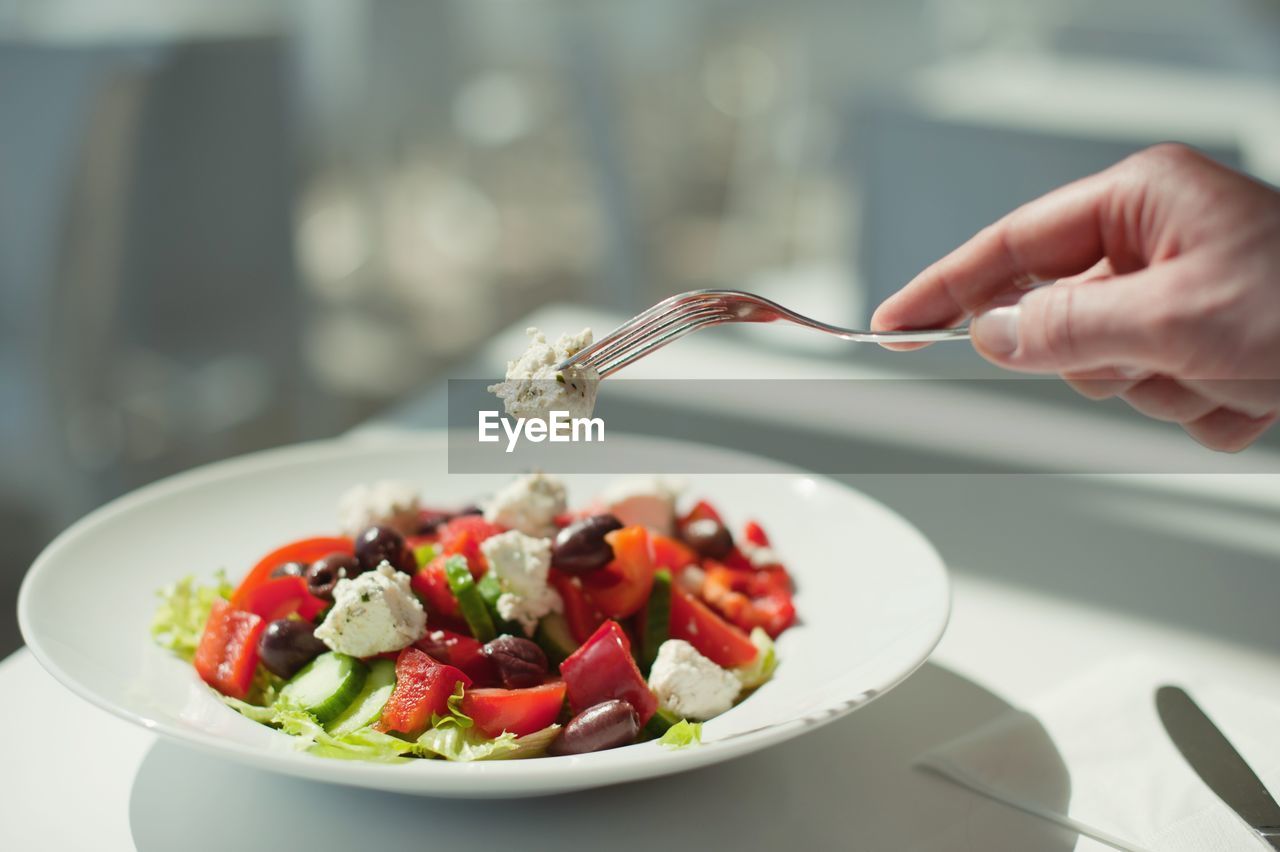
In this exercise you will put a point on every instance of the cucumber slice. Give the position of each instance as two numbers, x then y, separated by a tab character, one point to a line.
659	722
474	610
326	685
366	708
657	619
554	638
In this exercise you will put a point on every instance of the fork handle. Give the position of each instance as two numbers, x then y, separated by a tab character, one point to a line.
927	335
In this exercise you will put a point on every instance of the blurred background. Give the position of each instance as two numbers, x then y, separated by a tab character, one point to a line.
232	225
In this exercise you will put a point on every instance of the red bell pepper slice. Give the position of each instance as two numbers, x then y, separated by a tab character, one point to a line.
603	669
463	652
580	613
306	550
713	637
463	536
755	534
227	655
620	588
671	554
281	597
520	711
702	510
750	599
432	586
735	559
423	687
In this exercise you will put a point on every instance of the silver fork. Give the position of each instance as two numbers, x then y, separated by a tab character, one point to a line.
682	314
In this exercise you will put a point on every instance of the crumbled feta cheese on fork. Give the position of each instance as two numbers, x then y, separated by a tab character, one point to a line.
534	387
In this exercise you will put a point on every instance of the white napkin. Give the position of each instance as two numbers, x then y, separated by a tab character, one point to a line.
1116	776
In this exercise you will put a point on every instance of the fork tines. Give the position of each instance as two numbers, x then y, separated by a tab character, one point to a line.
667	321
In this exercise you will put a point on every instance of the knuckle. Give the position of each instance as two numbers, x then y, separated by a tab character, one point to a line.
1095	389
1168	156
1052	308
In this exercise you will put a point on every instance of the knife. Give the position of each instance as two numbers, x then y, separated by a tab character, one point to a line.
1217	763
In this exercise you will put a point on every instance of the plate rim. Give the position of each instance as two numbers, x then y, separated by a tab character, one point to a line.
509	778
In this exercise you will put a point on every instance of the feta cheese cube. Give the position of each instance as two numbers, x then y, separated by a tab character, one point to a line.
760	557
691	578
648	501
688	684
530	504
520	563
534	387
373	613
385	503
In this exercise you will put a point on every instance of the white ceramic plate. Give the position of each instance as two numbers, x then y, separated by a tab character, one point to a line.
872	595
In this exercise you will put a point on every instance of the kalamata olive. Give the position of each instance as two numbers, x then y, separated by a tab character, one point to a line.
429	521
709	537
289	569
288	645
606	725
580	548
520	662
326	571
376	544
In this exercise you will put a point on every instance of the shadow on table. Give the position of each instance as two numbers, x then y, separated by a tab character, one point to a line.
848	785
1204	562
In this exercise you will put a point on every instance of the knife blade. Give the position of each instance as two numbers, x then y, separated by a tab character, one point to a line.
1218	764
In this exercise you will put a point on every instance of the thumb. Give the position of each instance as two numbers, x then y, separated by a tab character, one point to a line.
1072	326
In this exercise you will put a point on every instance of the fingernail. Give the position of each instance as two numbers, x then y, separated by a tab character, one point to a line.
1131	372
996	331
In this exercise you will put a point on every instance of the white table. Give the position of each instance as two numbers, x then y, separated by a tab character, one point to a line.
1053	575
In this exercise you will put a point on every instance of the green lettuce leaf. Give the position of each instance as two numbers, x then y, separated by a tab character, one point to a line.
265	688
462	744
531	745
453	737
682	734
759	670
184	608
264	715
363	744
455	717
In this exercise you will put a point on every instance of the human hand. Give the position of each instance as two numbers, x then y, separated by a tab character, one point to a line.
1167	292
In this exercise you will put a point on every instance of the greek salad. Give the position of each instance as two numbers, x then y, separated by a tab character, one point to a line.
518	629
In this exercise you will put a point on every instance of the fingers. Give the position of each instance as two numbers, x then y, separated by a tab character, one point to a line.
1254	397
1057	235
1099	384
1197	406
1075	328
1227	430
1163	398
